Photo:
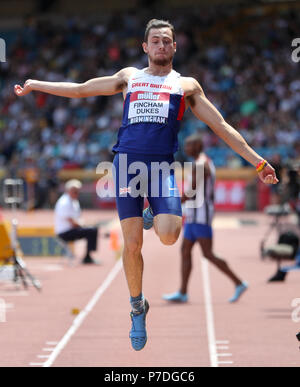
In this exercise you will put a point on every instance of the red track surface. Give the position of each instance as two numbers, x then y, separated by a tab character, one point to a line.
257	331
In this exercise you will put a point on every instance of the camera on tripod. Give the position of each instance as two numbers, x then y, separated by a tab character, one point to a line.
10	252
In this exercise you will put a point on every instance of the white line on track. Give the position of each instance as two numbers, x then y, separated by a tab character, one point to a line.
209	315
225	362
224	354
14	293
82	316
214	345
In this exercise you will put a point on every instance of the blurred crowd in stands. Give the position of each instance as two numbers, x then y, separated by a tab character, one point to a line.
242	60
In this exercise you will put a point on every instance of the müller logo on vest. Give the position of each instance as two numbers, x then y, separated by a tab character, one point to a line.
152	96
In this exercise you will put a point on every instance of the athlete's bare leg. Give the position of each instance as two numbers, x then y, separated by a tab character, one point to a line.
186	264
167	227
132	229
221	264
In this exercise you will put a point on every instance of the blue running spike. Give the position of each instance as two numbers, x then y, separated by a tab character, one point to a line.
175	297
239	290
138	333
148	218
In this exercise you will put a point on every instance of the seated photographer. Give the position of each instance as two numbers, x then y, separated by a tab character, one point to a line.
283	271
67	220
291	240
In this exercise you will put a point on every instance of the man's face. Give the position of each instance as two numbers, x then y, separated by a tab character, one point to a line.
192	148
74	193
160	46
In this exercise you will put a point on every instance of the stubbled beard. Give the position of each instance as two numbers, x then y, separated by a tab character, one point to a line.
162	62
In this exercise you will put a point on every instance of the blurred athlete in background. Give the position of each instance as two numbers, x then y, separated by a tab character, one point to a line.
198	223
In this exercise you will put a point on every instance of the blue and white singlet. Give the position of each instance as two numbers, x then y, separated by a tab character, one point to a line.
153	109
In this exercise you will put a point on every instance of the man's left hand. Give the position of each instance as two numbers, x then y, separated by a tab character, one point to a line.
268	175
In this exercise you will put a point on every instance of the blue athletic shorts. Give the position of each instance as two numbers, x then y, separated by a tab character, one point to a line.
194	231
161	190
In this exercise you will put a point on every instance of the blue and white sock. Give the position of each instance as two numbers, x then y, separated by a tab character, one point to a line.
138	304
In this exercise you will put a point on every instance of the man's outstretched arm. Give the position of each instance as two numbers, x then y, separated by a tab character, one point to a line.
98	86
205	111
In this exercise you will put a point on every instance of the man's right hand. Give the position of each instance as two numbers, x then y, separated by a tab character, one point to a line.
26	89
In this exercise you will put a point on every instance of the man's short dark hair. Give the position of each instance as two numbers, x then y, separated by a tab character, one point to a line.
155	23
